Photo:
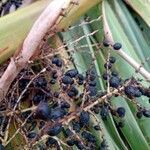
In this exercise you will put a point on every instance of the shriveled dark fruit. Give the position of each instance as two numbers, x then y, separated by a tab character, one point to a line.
104	112
97	127
65	105
146	113
112	59
92	91
57	113
76	126
137	93
121	111
139	114
114	73
106	43
40	82
57	61
67	80
106	76
55	130
114	82
88	136
50	141
72	73
42	111
117	46
31	135
70	142
109	65
84	118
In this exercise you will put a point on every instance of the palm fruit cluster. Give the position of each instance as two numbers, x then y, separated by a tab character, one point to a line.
61	102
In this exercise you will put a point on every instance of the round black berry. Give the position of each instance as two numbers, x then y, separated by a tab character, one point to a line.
106	43
121	111
72	73
112	59
67	80
55	130
132	91
57	61
42	111
114	82
84	118
109	65
117	46
92	90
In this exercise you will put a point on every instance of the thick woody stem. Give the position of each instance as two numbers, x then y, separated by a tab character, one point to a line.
30	46
125	56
